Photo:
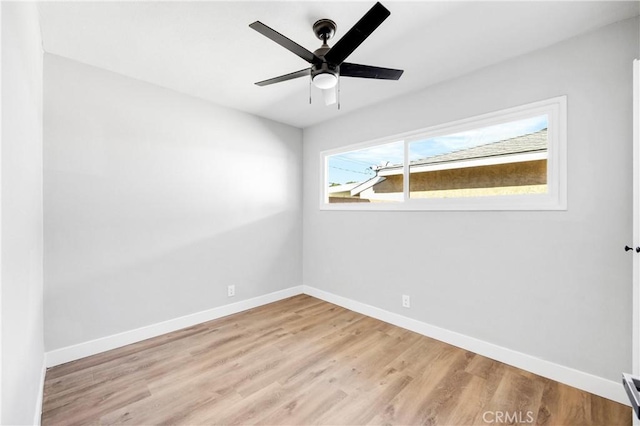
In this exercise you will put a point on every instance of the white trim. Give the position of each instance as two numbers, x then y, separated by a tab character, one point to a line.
463	164
1	267
324	195
515	202
635	281
103	344
579	379
37	416
367	184
555	199
588	382
406	171
635	353
342	188
370	196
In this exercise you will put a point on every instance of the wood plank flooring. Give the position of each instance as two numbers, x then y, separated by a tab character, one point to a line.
304	361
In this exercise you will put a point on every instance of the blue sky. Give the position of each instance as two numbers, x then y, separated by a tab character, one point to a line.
356	165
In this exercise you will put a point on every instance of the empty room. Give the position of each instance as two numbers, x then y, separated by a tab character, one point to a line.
328	213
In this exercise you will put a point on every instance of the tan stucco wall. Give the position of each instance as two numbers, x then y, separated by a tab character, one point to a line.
501	179
480	192
501	175
333	199
512	178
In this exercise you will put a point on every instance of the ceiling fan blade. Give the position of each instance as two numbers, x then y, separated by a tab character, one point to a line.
329	96
290	76
366	71
357	34
285	42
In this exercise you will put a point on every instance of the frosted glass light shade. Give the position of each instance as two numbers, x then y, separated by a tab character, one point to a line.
325	80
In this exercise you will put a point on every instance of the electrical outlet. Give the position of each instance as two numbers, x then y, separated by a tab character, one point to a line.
231	290
406	301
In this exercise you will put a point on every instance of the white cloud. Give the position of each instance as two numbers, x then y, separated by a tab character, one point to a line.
392	152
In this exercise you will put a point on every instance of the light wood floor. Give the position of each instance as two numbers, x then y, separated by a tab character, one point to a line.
305	361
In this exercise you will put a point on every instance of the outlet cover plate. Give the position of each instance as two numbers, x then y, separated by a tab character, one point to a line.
406	301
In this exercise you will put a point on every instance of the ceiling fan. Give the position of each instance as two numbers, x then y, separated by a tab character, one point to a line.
328	63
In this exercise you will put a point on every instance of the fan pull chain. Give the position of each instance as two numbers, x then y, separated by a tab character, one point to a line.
309	91
338	93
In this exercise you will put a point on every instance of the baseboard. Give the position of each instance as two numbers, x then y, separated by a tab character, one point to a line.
92	347
588	382
37	416
579	379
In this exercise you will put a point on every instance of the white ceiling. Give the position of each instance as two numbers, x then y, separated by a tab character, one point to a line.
206	49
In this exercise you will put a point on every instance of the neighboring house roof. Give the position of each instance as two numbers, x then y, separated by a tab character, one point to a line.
532	146
367	184
528	147
346	187
533	142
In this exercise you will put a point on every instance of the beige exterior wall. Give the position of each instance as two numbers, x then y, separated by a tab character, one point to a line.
480	192
500	179
495	176
348	199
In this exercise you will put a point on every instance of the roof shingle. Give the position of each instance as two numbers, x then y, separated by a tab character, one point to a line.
532	142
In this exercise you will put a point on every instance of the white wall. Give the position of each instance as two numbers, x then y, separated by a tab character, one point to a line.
21	225
155	201
554	285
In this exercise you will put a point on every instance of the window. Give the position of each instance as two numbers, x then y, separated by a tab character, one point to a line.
507	160
358	176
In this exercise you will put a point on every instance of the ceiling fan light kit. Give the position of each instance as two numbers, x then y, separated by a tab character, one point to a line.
328	63
325	80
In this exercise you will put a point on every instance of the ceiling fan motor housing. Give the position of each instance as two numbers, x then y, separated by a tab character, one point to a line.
324	29
323	74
